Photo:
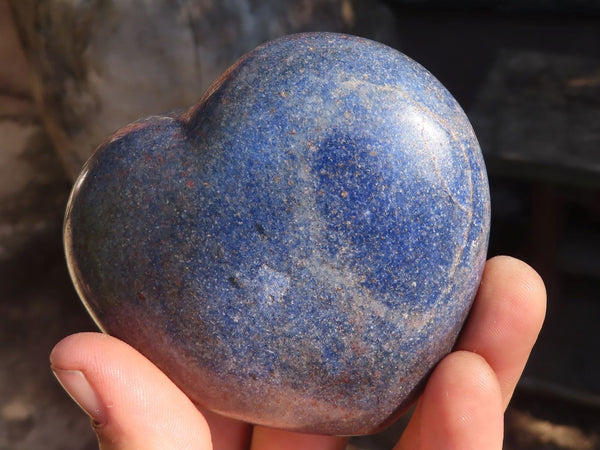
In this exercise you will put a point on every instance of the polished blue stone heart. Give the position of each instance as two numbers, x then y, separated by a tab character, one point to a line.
301	247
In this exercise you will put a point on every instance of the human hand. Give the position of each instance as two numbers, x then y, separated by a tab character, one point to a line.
133	405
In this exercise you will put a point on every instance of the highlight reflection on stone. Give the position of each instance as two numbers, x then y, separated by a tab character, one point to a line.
301	247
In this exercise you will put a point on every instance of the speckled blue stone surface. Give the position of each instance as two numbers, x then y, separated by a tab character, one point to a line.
301	247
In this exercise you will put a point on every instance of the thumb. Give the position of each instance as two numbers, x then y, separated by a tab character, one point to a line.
132	404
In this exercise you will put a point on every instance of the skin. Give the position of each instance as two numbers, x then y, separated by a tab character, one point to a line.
136	406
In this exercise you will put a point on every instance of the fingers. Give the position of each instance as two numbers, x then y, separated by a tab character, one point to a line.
463	403
134	405
505	319
227	434
270	439
131	402
461	408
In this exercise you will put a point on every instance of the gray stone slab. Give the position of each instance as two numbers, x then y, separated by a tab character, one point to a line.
544	6
538	116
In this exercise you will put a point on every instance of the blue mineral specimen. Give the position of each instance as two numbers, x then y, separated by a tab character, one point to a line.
301	247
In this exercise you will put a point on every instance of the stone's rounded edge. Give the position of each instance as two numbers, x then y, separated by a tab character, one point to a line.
69	250
274	46
127	133
83	202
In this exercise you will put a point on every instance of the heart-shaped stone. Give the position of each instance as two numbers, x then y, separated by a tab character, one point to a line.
301	247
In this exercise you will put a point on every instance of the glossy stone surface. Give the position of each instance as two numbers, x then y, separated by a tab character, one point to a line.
301	247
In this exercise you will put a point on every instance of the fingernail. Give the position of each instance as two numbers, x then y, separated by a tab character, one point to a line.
79	388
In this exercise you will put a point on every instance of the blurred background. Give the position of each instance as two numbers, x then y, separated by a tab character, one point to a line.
526	72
